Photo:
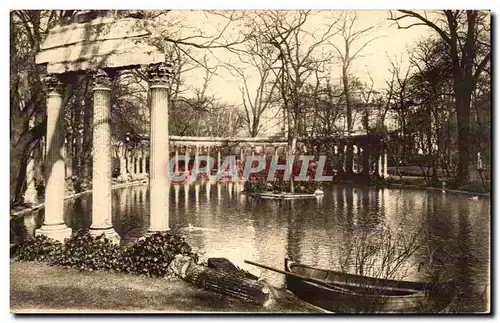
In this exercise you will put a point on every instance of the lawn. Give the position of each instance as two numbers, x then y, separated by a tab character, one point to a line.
36	287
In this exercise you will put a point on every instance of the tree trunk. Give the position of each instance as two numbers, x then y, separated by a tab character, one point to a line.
19	153
463	113
221	281
291	156
349	149
432	153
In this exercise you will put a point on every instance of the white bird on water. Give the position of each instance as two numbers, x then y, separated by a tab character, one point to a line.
319	192
475	197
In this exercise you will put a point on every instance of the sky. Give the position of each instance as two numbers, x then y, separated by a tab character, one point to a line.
390	42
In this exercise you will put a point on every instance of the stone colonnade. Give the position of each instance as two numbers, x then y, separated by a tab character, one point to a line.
377	157
133	160
54	225
186	152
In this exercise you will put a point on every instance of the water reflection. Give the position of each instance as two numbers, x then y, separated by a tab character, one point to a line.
186	194
208	187
329	232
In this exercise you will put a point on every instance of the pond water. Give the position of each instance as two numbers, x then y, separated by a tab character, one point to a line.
393	233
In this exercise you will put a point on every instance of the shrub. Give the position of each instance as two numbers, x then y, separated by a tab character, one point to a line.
150	256
86	252
40	248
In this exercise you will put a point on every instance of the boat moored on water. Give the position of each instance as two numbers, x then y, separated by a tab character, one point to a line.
347	293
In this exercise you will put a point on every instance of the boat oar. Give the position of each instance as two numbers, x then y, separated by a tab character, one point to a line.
312	280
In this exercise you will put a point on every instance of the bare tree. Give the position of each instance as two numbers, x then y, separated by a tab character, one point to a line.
467	35
256	103
354	42
298	55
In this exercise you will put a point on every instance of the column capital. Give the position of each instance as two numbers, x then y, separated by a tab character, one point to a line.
52	83
160	74
101	80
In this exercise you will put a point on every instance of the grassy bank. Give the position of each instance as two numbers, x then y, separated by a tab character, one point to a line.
470	187
38	287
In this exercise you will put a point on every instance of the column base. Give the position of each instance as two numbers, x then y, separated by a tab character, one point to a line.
58	232
108	233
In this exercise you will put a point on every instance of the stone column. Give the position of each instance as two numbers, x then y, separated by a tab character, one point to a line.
130	164
208	187
128	154
134	163
360	159
176	160
197	192
159	181
344	157
242	150
218	159
196	154
138	161
354	165
186	161
53	224
379	165
208	157
176	188
30	195
144	157
384	173
43	144
123	163
186	193
101	159
276	152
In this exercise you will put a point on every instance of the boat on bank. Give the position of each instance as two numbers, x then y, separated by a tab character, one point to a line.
347	293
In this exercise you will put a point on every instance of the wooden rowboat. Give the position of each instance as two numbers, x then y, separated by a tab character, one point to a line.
346	293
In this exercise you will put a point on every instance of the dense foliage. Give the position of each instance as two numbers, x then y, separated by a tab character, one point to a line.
280	187
150	256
